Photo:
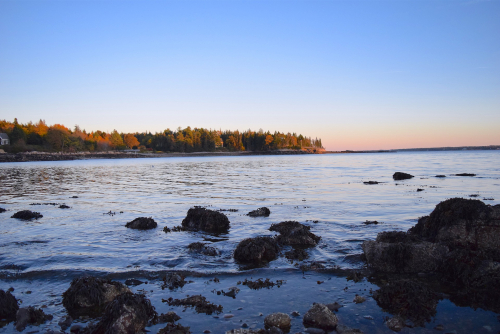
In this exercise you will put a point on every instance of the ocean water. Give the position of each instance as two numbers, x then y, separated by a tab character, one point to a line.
325	192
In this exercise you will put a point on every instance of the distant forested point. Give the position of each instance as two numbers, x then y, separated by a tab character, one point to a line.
59	138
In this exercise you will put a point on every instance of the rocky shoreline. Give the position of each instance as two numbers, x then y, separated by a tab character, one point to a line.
45	156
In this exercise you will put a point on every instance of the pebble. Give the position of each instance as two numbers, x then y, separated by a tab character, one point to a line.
227	316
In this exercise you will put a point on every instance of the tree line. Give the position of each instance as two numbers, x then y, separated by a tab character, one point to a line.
59	138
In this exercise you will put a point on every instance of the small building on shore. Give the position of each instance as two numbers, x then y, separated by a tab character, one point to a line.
4	139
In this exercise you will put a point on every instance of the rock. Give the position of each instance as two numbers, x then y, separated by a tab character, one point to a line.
65	322
334	307
257	251
260	212
259	283
404	257
243	331
75	328
8	306
295	234
127	313
2	210
395	323
314	331
343	329
63	206
30	316
142	223
175	329
319	316
398	176
297	254
233	291
173	281
133	282
169	317
89	295
371	182
465	174
279	320
27	215
440	176
199	302
359	299
408	299
201	219
371	222
202	248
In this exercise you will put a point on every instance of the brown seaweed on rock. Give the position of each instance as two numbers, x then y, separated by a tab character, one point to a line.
8	306
27	215
295	234
201	219
199	302
142	223
174	329
256	251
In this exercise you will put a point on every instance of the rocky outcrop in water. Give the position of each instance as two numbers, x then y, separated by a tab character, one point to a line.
278	320
142	223
89	295
30	316
257	251
127	313
260	212
174	329
295	234
27	215
8	306
320	316
201	219
2	210
398	176
201	248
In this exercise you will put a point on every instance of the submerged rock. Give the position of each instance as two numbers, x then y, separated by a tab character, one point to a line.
295	234
260	212
371	182
173	281
440	176
398	176
260	284
279	320
297	254
127	313
142	223
343	329
395	323
30	316
201	219
320	316
202	248
27	215
465	174
8	306
408	299
63	206
200	303
168	317
257	251
89	295
174	329
2	210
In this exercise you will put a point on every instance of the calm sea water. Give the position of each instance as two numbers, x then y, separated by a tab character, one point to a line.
323	191
39	258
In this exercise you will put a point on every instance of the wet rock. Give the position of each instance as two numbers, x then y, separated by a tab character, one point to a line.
297	254
133	282
30	316
173	281
76	328
2	210
334	307
398	176
320	316
404	257
314	331
408	299
89	295
169	317
65	322
259	283
127	313
440	176
233	291
295	234
243	331
395	323
175	329
142	223
355	276
420	189
257	251
371	182
199	302
279	320
27	215
260	212
8	306
343	329
359	299
465	174
201	248
63	206
371	222
201	219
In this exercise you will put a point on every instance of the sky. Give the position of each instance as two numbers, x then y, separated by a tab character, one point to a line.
360	75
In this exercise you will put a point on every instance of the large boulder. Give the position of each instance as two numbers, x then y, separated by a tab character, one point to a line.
320	316
127	313
27	215
278	320
257	251
142	223
8	306
89	295
398	176
30	316
295	234
201	219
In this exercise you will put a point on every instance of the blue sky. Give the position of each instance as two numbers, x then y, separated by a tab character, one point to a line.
358	74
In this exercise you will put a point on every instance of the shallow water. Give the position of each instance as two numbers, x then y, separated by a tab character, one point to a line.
328	189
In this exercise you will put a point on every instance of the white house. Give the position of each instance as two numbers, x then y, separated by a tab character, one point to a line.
4	139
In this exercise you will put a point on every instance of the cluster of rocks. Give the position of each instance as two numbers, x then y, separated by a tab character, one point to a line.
458	244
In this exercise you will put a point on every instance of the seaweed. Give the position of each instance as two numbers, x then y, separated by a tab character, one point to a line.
199	302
